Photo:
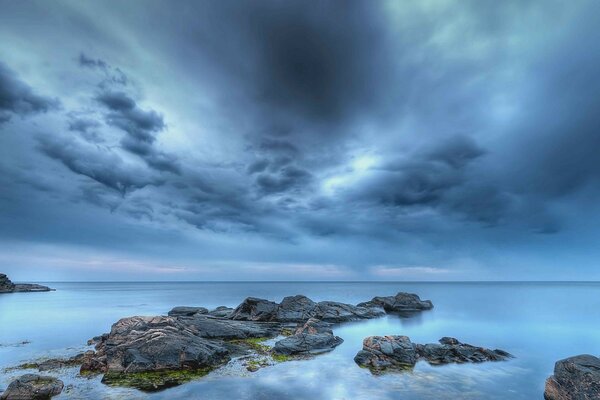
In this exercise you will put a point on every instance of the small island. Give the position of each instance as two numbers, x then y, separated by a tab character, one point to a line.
7	286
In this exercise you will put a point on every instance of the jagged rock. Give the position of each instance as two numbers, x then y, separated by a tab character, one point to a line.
311	338
575	378
7	286
183	311
300	308
215	328
221	312
255	309
400	303
141	344
31	386
382	352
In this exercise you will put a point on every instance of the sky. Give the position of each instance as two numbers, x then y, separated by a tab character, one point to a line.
292	140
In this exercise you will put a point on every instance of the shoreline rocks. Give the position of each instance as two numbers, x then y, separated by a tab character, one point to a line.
313	337
34	387
398	352
575	378
7	286
400	303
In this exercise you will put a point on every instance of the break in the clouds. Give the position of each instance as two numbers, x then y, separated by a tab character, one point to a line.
298	140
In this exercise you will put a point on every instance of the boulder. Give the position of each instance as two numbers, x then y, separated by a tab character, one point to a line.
183	311
216	328
255	309
300	308
575	378
34	387
143	344
221	312
310	338
7	286
400	303
383	352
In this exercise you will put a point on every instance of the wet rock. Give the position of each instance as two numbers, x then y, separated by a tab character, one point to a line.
31	386
216	328
255	309
221	312
311	338
383	352
154	344
184	311
7	286
575	378
400	303
300	308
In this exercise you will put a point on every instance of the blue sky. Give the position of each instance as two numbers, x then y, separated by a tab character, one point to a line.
286	140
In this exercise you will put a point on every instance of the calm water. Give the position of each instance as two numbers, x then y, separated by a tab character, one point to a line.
538	322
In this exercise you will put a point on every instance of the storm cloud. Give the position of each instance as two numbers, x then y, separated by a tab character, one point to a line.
361	135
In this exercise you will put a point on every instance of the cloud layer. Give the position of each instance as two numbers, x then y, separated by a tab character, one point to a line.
373	139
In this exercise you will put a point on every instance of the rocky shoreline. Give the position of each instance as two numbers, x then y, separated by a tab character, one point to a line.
7	286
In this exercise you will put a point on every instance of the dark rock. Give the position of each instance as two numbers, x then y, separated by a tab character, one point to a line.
255	309
400	303
300	308
382	352
575	378
186	311
221	312
142	344
311	338
215	328
7	286
31	386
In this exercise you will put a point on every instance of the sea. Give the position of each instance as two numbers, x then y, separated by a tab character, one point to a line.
538	322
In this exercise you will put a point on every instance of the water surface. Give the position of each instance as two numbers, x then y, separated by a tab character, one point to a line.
537	322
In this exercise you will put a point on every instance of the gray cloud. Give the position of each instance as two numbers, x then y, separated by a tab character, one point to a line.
17	98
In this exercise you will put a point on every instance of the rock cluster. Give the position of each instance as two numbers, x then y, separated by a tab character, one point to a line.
398	352
575	378
7	286
400	303
155	352
32	387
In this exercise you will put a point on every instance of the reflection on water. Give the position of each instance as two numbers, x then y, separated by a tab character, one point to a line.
538	322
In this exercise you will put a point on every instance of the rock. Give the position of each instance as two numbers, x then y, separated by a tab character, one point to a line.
575	378
31	386
383	352
7	286
255	309
332	311
311	338
300	308
186	311
221	312
215	328
154	344
401	302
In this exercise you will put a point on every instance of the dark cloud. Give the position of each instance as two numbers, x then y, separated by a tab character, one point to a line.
17	98
86	61
96	162
286	179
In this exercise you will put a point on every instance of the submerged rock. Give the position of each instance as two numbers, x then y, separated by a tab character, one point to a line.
7	286
383	352
311	338
575	378
187	311
31	386
401	302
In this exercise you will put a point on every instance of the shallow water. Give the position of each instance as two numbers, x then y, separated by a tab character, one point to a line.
537	322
